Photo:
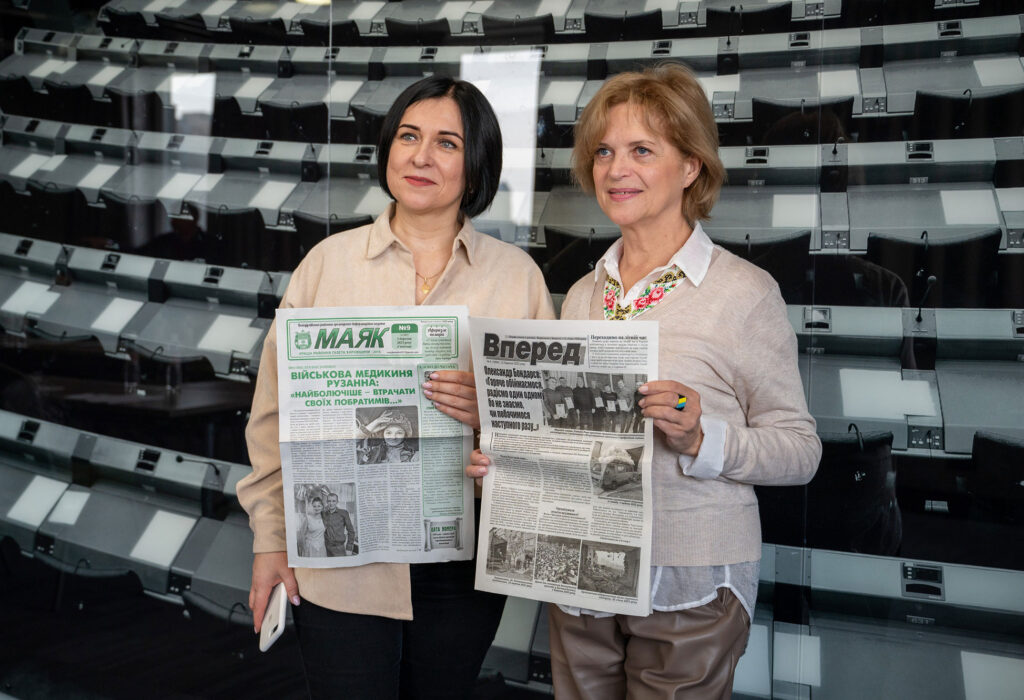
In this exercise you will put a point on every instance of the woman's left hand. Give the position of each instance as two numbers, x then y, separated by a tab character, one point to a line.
454	394
681	428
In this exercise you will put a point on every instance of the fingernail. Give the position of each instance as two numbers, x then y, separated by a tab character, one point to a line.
642	389
295	600
254	630
437	405
433	375
428	392
428	385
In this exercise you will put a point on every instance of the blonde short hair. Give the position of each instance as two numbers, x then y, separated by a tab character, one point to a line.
673	103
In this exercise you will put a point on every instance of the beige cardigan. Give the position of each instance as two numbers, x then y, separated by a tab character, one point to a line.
728	338
368	266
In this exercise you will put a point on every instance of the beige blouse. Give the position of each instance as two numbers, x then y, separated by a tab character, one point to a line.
369	266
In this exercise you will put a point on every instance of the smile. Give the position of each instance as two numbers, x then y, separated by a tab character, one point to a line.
622	194
418	181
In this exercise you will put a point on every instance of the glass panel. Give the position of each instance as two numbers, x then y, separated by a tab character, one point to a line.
165	165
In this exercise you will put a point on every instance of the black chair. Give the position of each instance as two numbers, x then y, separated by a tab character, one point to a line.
1011	281
295	122
235	237
127	23
943	116
801	122
317	33
520	30
55	213
850	280
132	222
249	30
71	103
17	96
849	506
625	27
788	260
420	32
569	255
770	19
368	123
966	269
311	229
229	121
182	27
996	479
139	110
12	205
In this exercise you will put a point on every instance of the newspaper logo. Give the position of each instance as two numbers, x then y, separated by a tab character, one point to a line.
303	340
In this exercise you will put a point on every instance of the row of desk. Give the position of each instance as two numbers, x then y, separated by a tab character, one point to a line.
868	47
774	192
163	310
96	506
201	81
852	368
476	21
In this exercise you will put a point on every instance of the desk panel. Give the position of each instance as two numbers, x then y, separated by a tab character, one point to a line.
948	211
980	395
948	76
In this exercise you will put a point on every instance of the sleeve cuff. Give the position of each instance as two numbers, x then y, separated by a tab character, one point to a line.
710	461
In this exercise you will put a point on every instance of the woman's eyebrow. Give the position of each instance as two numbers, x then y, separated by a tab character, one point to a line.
452	133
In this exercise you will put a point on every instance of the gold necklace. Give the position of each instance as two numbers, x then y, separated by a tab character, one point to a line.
428	282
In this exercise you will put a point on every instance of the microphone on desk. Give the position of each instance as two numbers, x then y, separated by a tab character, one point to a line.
931	281
179	459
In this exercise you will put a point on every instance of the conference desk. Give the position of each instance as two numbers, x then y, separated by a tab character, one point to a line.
213	569
515	217
345	198
164	182
980	395
271	193
337	94
876	395
763	213
948	211
948	76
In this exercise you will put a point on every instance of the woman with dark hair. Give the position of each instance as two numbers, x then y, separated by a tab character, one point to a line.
728	411
311	530
378	630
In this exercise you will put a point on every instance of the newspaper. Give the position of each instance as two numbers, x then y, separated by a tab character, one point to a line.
566	512
372	470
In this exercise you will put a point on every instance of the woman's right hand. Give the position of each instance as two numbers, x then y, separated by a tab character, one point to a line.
267	569
478	463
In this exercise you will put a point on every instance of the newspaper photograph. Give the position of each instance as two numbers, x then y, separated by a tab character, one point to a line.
372	470
566	510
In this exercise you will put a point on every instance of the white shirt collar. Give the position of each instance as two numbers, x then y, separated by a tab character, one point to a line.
693	258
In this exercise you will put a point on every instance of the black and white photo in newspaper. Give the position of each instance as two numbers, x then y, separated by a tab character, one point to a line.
372	470
566	510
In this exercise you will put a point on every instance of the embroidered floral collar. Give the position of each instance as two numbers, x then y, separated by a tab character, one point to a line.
651	296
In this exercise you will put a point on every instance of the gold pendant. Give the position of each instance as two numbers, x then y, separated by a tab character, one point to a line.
425	289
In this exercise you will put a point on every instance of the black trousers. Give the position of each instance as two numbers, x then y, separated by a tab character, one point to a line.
438	654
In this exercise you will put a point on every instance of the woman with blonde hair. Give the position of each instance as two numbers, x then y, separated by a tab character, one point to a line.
728	411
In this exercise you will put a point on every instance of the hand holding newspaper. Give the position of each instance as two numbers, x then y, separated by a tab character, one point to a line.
372	471
566	512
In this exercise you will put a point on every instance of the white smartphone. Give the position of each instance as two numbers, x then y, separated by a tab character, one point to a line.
274	617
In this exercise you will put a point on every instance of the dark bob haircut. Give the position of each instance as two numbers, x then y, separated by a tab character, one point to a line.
482	137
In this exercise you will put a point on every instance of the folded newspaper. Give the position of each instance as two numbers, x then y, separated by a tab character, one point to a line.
372	471
566	512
